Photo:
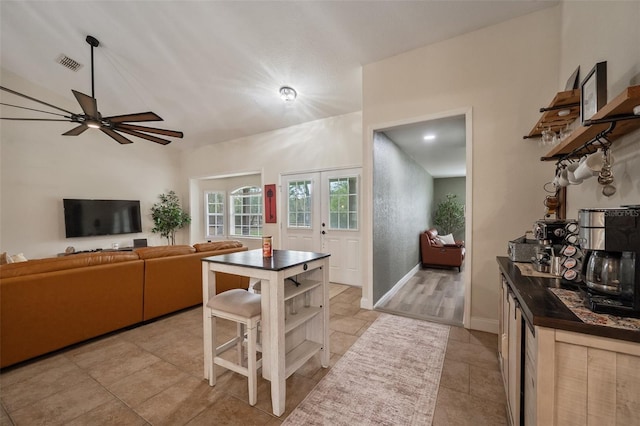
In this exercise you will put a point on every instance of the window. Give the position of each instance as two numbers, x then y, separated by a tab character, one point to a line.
343	203
246	212
214	214
299	204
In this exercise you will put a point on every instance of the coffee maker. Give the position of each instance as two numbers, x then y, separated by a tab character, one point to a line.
610	239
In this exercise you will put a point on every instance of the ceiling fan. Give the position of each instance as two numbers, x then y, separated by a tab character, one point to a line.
112	126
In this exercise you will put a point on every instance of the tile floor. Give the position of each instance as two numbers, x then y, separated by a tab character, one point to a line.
152	374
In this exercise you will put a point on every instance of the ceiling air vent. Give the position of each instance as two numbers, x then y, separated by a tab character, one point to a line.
67	62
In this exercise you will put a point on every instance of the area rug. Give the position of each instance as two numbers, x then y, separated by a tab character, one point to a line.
389	376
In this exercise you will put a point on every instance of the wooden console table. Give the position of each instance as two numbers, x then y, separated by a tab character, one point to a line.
289	339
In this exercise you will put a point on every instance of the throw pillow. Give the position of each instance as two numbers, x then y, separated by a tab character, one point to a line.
447	239
3	258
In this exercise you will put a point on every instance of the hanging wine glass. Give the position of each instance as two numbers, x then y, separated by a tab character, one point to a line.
564	133
548	136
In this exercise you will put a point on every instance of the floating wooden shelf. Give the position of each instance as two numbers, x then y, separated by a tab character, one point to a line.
569	100
619	108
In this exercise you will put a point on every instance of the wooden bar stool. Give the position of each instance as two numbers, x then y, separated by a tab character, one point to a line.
243	308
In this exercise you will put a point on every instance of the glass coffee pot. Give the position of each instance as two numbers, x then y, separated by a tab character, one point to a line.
603	272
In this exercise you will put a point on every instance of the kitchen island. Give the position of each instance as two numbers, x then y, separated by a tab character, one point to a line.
290	337
557	369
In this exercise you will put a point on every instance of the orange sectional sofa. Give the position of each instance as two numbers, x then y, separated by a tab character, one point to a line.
48	304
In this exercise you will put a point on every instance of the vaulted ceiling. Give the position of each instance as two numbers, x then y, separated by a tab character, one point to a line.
212	69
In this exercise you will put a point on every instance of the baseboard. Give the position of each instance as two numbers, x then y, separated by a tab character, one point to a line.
388	295
365	304
485	324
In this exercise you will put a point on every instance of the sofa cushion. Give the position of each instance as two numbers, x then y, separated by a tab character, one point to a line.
217	245
80	260
163	251
447	239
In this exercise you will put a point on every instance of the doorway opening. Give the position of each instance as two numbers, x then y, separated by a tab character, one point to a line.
416	165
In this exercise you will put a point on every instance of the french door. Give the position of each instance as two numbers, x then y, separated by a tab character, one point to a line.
322	214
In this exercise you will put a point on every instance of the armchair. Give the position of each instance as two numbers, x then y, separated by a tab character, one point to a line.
434	253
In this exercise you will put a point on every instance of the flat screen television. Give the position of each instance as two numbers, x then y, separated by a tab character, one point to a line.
88	218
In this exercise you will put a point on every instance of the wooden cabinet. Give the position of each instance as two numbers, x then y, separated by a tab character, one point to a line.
510	352
530	377
567	378
585	380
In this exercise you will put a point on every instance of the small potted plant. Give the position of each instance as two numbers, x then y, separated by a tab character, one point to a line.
168	216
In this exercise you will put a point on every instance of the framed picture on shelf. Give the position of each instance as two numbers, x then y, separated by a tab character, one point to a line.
574	80
593	91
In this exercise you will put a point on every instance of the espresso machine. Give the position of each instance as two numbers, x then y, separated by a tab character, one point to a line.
551	234
610	239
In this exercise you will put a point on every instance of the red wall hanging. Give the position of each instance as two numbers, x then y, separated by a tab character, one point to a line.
270	204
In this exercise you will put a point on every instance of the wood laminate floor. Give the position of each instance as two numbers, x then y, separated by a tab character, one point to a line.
431	294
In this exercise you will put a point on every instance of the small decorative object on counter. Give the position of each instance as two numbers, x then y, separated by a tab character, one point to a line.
267	248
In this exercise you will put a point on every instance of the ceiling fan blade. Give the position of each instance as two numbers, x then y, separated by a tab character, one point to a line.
34	119
172	133
34	99
34	109
143	136
117	136
76	130
87	103
141	116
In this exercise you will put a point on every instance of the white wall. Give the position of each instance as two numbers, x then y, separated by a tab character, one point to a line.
39	167
322	144
605	31
504	73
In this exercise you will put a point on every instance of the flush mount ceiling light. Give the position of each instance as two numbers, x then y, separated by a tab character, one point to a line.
429	137
288	93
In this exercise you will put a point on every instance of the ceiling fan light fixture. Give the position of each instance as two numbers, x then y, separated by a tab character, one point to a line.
288	94
94	124
91	117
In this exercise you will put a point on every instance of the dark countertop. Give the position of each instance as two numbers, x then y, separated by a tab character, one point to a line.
281	259
541	307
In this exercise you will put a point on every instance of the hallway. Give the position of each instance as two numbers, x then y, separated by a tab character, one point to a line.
431	294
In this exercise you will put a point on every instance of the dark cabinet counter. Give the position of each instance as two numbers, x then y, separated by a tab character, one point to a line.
542	308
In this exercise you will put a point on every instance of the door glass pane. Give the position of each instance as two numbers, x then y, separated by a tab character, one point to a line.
343	203
299	204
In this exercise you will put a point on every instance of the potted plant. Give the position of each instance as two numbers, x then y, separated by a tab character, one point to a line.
168	216
449	215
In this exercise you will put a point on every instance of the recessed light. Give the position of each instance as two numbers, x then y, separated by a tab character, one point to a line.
429	137
564	112
288	94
